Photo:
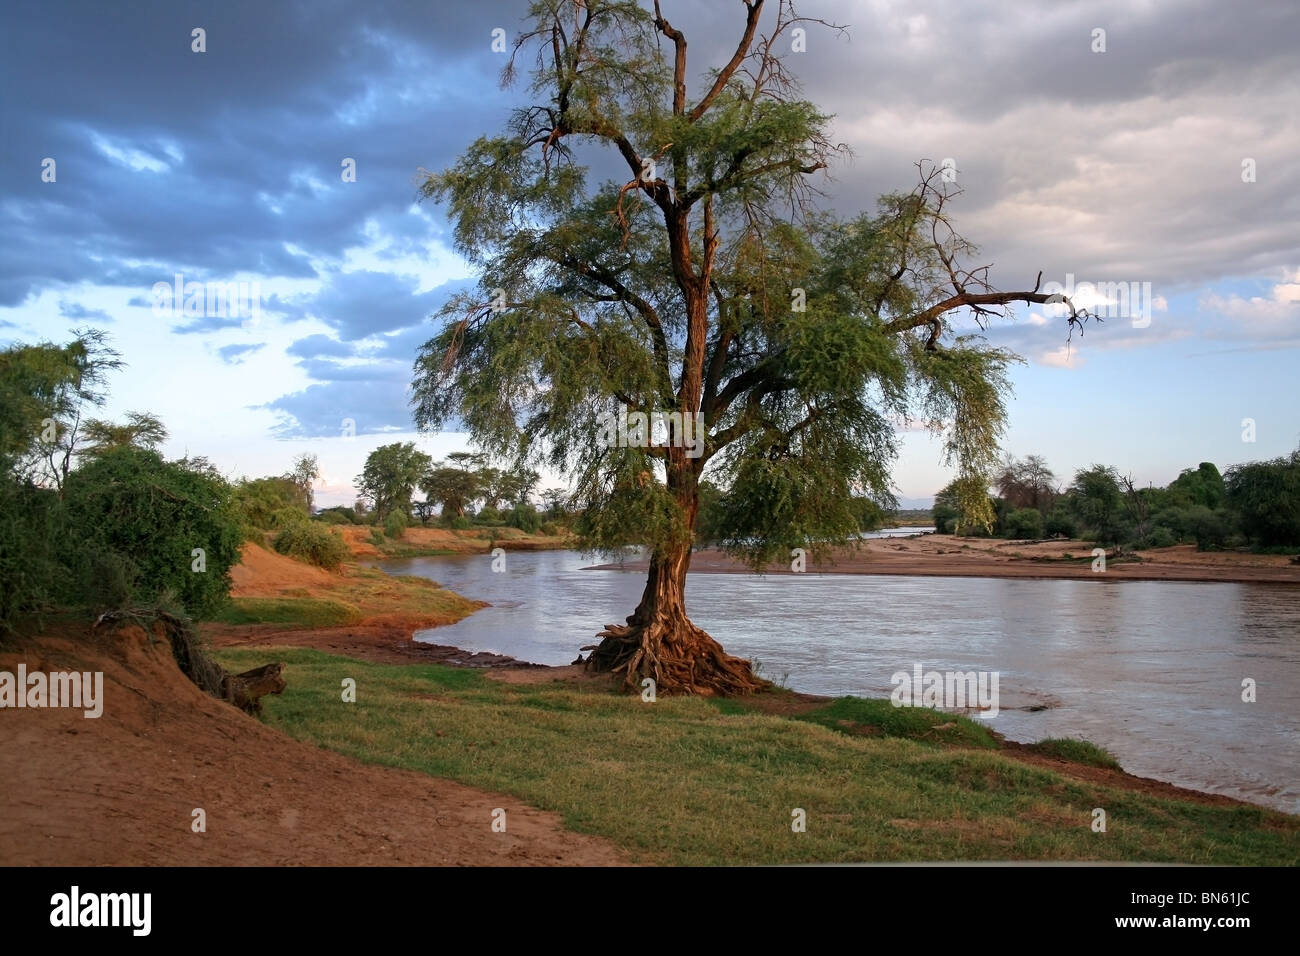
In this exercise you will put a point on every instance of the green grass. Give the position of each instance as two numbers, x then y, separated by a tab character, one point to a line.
301	612
862	716
1078	751
688	781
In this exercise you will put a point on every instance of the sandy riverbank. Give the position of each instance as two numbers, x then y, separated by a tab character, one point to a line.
942	555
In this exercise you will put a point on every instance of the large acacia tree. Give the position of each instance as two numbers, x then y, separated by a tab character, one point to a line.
700	279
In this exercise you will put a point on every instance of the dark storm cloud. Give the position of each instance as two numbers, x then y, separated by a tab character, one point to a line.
1122	165
325	410
374	383
362	303
213	163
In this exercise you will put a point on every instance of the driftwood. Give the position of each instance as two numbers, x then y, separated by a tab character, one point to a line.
246	690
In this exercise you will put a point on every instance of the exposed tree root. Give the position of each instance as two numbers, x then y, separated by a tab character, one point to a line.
680	658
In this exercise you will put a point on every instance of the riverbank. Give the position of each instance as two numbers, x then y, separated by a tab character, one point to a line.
942	555
365	541
416	770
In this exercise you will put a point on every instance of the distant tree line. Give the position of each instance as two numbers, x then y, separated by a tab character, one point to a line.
459	492
1256	505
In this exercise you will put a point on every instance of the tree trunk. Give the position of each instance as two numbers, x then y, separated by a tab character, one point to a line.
660	642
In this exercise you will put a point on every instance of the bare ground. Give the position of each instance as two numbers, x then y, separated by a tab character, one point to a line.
120	789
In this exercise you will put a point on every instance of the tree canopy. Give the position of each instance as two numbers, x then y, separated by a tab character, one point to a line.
706	283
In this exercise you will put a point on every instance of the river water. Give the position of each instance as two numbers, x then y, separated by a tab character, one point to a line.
1152	671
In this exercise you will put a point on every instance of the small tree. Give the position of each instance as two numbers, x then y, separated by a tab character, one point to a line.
1266	494
305	470
47	391
140	430
1098	502
390	475
454	488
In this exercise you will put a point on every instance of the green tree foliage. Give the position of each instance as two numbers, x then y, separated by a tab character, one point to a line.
702	282
454	484
140	430
963	506
1098	503
1060	522
1200	486
313	542
515	486
390	475
1266	494
305	470
263	502
1024	523
395	525
135	521
45	391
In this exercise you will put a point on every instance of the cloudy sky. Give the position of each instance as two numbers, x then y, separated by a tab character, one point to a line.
1162	154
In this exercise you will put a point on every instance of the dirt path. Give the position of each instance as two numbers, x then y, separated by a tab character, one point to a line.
120	789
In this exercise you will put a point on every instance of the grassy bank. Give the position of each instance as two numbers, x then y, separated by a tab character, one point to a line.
692	781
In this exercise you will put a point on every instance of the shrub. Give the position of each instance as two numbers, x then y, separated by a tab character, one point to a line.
550	529
1160	537
333	516
314	543
1210	529
376	536
487	515
260	500
30	535
1024	523
133	523
283	517
395	525
524	517
1059	522
461	523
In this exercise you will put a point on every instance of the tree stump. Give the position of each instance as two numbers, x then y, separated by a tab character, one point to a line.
246	690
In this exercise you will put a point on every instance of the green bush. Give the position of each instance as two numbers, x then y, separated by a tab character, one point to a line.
1024	523
134	522
261	500
488	516
550	529
395	525
1160	537
376	536
31	525
284	517
314	543
1209	528
461	523
333	517
1059	522
525	518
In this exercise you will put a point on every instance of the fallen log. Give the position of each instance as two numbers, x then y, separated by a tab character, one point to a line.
246	690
